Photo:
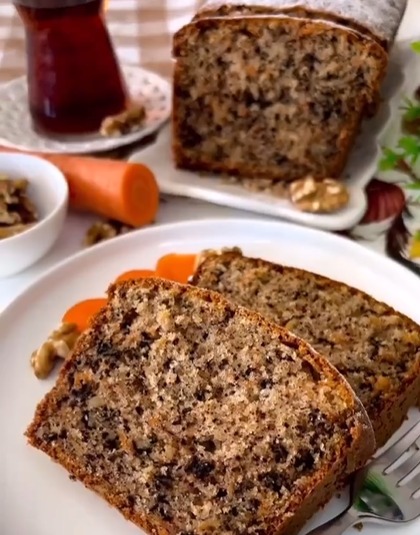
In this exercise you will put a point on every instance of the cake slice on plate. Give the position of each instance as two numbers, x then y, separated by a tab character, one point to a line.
192	415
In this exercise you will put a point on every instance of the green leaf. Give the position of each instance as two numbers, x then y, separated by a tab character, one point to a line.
417	235
415	186
416	47
411	147
389	160
411	109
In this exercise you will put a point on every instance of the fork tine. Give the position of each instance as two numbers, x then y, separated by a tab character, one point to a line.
393	453
411	471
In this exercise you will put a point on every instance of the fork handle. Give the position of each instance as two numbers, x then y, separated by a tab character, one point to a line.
339	524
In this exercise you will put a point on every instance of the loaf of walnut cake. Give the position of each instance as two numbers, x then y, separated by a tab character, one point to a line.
180	409
278	88
376	348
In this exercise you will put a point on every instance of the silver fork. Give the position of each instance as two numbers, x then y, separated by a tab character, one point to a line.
386	491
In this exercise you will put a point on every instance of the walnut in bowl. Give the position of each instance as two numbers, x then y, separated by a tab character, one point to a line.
47	188
17	212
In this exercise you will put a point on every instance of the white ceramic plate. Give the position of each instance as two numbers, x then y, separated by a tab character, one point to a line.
16	129
360	169
37	496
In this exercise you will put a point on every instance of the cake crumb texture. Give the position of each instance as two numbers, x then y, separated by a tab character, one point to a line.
262	94
376	348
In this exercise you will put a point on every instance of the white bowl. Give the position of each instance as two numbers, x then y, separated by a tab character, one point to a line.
48	190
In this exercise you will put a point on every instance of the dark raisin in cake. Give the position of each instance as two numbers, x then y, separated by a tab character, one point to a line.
180	409
373	346
277	89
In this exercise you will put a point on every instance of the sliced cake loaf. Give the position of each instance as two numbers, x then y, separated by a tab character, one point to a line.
180	409
373	346
278	89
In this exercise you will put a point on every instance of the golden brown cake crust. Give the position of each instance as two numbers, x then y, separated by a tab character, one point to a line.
390	400
355	448
368	101
313	9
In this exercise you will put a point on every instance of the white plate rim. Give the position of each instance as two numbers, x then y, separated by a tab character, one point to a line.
319	236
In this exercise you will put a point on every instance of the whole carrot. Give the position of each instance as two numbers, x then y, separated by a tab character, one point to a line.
126	192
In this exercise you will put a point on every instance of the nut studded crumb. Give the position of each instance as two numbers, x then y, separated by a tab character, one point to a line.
181	410
373	346
271	96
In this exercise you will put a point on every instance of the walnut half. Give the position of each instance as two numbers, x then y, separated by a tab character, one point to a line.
57	346
324	196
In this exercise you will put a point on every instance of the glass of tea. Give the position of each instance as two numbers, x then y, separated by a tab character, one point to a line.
74	80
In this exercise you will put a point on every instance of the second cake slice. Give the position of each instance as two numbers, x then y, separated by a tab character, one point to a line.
376	348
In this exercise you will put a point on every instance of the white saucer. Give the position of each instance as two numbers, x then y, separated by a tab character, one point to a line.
16	129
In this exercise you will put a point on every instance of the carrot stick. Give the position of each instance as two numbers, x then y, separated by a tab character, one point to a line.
125	192
135	274
81	313
176	267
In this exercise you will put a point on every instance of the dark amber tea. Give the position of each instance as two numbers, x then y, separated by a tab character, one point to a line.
74	80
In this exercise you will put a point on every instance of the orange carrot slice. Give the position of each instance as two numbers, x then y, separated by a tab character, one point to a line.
81	313
176	267
135	274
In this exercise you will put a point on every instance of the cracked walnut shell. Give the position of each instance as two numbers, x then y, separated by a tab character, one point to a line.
318	197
